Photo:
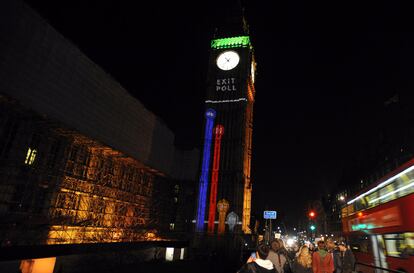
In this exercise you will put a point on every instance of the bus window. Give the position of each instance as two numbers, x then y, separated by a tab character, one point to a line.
399	245
393	243
409	244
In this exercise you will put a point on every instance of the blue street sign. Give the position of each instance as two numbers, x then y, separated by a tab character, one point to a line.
269	214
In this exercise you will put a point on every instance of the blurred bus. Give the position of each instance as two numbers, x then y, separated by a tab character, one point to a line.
379	223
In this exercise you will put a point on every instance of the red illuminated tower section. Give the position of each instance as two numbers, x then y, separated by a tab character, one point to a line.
219	131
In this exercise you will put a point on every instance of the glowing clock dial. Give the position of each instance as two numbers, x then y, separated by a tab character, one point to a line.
228	60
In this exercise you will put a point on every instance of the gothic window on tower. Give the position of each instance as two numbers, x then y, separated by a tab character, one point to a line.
32	150
30	156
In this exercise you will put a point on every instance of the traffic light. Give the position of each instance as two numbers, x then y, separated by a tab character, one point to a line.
312	214
312	227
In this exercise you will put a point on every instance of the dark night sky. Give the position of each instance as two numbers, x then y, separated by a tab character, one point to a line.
324	72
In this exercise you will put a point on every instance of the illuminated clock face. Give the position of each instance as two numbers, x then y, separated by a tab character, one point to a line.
228	60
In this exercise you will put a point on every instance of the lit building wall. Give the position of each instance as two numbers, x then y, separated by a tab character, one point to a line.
58	186
82	160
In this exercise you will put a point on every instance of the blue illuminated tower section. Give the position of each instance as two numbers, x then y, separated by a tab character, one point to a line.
202	196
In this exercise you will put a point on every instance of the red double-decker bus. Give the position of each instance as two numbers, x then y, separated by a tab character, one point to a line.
379	223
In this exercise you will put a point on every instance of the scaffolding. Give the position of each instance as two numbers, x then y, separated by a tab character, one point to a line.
58	186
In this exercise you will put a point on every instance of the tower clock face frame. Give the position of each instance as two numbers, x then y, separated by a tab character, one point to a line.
228	60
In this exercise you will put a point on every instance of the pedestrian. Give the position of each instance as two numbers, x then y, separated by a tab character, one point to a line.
289	259
259	263
330	245
333	251
337	260
322	261
303	261
276	256
345	259
311	247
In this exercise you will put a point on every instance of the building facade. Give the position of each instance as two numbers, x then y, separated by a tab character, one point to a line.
82	160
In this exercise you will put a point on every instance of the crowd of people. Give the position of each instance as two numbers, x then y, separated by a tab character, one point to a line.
326	257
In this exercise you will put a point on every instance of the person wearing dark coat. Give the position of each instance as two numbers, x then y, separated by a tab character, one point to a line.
344	259
337	260
260	264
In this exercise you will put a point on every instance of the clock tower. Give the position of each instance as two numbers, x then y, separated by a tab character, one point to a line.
225	171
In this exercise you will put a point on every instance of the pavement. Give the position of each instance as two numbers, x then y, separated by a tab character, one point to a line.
181	266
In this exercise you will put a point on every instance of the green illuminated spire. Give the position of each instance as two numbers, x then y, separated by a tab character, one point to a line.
231	42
